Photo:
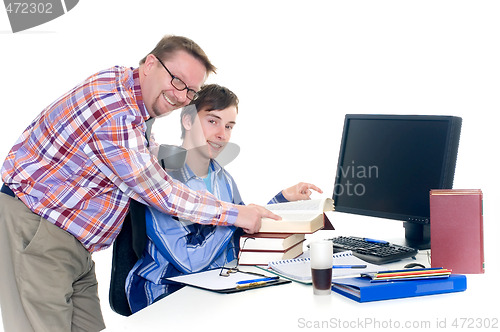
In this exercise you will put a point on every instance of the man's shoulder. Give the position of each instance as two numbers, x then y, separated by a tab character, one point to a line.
115	88
112	77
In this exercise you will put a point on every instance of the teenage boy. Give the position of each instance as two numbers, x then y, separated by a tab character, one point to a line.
178	247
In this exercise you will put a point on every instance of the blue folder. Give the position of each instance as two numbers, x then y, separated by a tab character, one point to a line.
362	290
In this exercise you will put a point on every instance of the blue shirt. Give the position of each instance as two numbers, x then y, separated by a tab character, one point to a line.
178	247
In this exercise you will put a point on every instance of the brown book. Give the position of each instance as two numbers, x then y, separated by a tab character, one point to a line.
306	216
270	241
456	218
263	257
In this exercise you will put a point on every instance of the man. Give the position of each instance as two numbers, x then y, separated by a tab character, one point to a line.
179	247
70	176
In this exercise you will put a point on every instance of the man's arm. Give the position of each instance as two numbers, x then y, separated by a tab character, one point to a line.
118	150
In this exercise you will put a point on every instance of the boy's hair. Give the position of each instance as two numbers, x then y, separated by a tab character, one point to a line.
211	97
170	44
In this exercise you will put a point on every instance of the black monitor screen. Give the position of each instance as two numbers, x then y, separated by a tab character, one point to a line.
388	164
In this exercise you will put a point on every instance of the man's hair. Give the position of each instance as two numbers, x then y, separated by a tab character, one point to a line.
211	97
170	44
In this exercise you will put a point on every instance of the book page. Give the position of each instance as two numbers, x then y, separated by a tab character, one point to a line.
299	216
314	206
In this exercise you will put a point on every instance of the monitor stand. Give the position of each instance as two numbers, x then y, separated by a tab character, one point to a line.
417	236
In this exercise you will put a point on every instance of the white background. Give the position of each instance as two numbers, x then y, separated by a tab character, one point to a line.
298	67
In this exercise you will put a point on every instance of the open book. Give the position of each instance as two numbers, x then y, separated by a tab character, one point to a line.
297	217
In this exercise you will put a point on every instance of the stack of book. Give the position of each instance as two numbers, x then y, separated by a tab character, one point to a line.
283	239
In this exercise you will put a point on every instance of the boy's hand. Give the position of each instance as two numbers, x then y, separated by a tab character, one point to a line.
300	191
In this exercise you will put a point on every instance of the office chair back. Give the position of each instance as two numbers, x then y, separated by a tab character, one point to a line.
127	249
130	243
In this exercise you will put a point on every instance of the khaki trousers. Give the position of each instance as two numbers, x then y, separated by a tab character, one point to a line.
50	277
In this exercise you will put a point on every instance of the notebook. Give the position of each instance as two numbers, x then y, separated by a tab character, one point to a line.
299	269
363	290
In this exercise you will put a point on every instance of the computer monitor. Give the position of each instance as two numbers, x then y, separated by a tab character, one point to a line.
389	163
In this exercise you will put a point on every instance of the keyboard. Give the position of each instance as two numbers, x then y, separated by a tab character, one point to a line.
372	251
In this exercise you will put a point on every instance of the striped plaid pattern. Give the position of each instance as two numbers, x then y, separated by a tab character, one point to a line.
82	159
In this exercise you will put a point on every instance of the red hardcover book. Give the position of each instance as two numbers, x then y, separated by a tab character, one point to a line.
263	257
456	218
270	241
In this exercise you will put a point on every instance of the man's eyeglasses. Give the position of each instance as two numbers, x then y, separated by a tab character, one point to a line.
179	85
226	271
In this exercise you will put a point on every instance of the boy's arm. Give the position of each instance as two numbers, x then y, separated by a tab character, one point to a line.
183	244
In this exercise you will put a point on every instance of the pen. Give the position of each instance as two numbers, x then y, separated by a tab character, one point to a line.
375	240
411	270
349	267
252	284
243	282
257	283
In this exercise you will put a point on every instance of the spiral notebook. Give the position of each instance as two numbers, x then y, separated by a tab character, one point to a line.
299	269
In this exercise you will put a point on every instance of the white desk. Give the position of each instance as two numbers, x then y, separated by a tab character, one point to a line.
293	306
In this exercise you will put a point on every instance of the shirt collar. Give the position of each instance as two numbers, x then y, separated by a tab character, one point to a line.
185	173
138	94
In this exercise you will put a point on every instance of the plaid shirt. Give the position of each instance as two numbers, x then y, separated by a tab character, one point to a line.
83	158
